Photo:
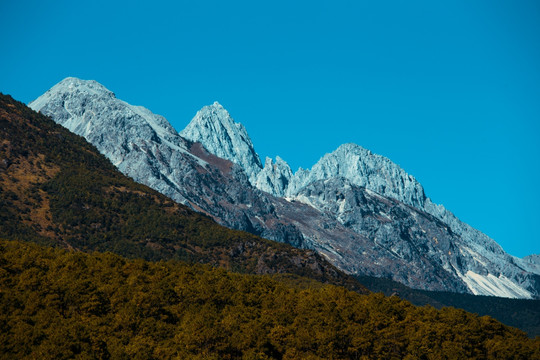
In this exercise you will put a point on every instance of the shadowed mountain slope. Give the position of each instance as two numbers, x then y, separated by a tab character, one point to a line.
58	189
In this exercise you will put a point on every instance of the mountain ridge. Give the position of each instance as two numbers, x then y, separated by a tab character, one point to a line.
380	174
58	189
282	218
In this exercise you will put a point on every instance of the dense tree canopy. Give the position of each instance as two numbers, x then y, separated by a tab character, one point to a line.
58	304
521	313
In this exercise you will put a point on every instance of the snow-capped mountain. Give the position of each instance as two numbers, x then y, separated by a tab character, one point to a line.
359	210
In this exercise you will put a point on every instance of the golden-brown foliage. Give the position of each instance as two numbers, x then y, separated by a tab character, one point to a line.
59	304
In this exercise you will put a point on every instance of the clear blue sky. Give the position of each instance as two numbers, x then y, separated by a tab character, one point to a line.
448	90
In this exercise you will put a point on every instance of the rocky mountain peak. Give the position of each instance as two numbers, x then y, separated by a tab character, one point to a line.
88	85
358	209
126	134
216	130
363	168
85	105
275	177
73	85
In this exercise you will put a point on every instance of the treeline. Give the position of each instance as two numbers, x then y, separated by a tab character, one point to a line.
521	313
56	304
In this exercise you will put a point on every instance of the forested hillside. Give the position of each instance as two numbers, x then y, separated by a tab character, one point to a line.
56	189
58	304
521	313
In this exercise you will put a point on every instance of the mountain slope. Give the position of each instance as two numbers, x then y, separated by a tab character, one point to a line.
145	149
412	241
483	265
221	189
57	189
520	313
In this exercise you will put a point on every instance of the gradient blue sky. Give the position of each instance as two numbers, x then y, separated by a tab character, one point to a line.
448	90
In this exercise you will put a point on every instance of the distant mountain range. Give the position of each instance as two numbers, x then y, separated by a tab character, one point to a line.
359	210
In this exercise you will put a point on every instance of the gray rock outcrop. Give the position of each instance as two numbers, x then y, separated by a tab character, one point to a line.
360	210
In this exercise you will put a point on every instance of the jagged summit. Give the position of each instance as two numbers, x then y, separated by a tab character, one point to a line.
363	168
358	209
275	177
216	130
349	161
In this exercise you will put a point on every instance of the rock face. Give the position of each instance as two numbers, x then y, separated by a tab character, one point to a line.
366	169
145	147
532	259
360	210
389	235
488	271
275	177
221	136
416	240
